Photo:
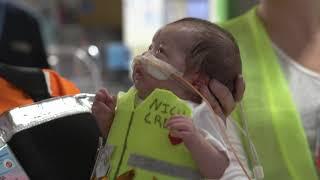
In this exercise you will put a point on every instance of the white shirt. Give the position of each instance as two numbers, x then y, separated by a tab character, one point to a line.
204	120
305	87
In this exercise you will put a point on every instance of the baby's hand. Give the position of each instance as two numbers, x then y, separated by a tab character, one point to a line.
103	109
183	127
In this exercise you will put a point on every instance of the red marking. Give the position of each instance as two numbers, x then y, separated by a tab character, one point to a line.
174	140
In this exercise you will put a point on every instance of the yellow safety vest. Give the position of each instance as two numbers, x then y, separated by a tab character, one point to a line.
140	141
273	121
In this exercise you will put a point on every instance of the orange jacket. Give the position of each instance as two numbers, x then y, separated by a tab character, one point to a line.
11	96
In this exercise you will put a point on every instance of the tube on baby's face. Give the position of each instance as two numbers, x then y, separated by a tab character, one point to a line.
155	67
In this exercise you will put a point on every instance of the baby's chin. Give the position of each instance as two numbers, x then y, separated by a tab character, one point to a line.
143	91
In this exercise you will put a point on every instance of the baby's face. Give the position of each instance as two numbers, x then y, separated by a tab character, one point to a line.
170	44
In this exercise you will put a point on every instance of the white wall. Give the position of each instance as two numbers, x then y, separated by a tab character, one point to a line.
142	18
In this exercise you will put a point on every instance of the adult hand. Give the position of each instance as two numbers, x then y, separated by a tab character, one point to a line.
221	99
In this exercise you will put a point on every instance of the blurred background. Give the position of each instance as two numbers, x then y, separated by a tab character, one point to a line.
91	42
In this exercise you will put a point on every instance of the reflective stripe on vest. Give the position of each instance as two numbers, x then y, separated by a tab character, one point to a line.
155	165
140	130
273	121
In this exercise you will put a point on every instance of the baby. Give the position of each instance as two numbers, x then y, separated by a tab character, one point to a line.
200	51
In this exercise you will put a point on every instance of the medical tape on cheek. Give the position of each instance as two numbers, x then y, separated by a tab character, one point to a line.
156	67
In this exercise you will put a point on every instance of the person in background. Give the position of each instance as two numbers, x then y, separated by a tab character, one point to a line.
25	75
21	42
279	45
48	151
21	86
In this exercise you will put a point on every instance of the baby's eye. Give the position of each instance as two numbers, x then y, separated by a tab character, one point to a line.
150	47
160	50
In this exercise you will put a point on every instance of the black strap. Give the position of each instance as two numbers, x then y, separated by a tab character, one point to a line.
31	80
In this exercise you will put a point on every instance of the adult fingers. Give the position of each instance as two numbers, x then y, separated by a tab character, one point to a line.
240	87
223	95
212	101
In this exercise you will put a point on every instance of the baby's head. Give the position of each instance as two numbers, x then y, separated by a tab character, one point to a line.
197	48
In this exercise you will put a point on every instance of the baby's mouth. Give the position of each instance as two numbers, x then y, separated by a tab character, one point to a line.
137	72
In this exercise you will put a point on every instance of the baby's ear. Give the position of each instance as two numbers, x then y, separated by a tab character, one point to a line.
200	80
